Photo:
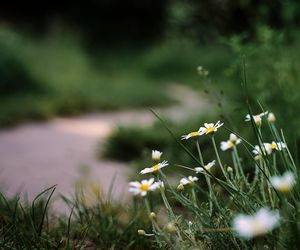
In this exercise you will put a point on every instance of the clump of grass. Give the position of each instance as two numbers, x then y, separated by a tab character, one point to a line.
95	222
249	200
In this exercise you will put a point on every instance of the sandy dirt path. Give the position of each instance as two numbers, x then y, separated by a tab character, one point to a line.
35	156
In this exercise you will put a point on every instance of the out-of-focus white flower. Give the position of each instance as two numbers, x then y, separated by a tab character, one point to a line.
155	168
233	140
283	183
207	167
141	188
156	155
210	128
271	118
267	148
278	145
256	118
262	222
188	181
190	135
225	145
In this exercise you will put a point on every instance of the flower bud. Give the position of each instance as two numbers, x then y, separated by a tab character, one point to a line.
141	232
229	169
180	187
271	118
170	227
152	216
257	120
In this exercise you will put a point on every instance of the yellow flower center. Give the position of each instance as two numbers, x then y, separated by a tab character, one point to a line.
155	168
144	187
274	145
194	133
258	227
210	130
284	188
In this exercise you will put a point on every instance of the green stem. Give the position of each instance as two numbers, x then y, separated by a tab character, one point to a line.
219	160
199	152
240	165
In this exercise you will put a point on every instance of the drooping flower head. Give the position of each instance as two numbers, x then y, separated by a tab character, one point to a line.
207	167
256	118
155	168
260	223
283	183
156	155
141	188
229	144
188	181
210	128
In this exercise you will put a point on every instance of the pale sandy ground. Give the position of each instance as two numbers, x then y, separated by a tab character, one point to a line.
35	156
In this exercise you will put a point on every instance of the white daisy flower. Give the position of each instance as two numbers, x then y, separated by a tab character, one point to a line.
233	140
283	183
271	118
268	148
156	155
210	128
225	145
190	135
278	145
155	168
207	167
262	222
189	180
141	188
256	118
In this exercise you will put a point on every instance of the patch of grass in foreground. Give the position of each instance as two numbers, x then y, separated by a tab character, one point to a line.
100	225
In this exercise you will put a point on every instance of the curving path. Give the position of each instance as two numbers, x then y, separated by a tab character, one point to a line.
37	155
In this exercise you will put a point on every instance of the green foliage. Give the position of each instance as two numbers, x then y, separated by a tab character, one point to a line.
100	225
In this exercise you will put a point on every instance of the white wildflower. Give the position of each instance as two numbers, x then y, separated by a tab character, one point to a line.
256	118
189	180
156	155
190	135
207	167
210	128
141	188
283	183
267	148
155	168
262	222
233	140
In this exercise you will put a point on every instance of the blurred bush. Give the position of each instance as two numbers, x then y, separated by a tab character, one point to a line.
14	77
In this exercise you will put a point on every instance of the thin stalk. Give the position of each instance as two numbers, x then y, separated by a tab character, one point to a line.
218	158
240	165
210	194
199	152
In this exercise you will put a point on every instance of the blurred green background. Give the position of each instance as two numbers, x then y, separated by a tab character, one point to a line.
71	58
